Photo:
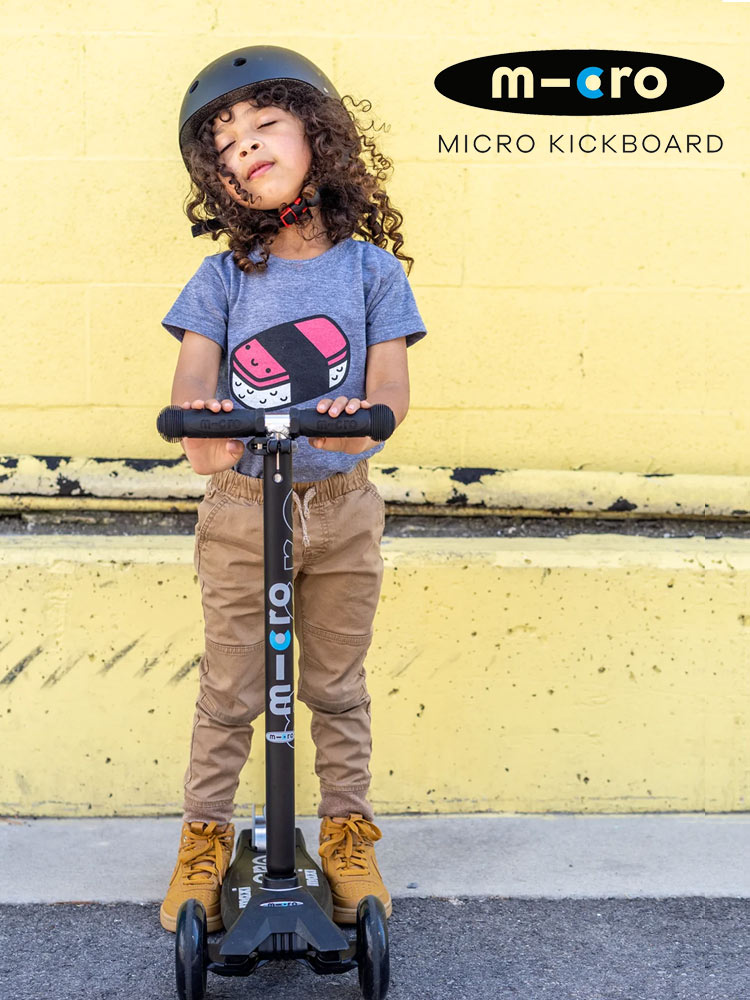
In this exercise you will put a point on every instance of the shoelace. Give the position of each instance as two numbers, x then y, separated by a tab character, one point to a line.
202	854
346	845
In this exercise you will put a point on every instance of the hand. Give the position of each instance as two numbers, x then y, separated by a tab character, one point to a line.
351	445
209	455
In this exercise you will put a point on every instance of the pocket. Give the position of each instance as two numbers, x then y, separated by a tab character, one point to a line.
372	489
201	512
208	508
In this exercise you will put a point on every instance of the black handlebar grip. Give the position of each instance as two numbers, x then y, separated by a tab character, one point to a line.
377	422
383	422
169	424
175	423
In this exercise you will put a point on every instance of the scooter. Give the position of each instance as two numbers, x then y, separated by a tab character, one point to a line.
275	901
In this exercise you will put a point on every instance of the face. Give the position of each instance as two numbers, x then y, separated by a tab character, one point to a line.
253	136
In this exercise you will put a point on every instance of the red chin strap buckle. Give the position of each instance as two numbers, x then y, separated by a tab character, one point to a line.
292	213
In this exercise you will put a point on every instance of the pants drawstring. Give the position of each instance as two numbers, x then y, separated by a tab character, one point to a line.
304	511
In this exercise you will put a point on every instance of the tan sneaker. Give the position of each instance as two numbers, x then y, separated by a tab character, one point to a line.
346	847
202	861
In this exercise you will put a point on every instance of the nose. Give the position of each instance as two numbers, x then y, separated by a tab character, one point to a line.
249	145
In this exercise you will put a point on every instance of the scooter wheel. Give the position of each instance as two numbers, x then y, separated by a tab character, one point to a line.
373	961
191	950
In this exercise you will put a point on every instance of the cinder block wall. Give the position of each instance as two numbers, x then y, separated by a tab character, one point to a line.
584	309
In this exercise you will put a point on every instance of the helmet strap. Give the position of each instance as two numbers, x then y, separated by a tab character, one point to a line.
289	215
292	213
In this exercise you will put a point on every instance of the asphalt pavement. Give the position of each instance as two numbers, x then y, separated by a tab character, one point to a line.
533	907
442	949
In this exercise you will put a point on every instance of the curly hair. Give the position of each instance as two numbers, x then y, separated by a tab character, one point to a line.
353	200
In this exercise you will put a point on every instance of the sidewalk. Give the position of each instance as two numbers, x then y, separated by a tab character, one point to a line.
558	856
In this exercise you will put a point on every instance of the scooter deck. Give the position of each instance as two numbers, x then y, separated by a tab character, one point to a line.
244	877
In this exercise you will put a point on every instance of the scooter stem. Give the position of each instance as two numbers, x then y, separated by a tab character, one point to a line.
279	634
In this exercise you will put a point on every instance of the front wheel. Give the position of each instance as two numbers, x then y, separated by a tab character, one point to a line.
191	950
372	948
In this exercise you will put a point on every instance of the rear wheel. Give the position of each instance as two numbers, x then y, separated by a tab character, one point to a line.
191	950
372	948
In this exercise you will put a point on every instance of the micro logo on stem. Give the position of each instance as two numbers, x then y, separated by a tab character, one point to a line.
280	695
579	82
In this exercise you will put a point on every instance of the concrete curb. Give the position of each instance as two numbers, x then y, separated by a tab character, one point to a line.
552	856
58	482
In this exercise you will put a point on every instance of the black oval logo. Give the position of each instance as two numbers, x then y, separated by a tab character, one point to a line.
579	82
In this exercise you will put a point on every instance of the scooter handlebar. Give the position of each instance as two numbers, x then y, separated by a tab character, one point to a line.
175	423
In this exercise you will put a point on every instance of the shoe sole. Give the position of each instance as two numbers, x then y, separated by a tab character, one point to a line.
348	914
169	922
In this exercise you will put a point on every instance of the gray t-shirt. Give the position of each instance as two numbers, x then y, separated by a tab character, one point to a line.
298	333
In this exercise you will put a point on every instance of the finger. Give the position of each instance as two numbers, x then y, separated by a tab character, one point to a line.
338	405
198	404
227	404
324	404
213	404
353	405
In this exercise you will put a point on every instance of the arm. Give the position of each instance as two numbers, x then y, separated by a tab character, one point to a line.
193	386
197	371
387	376
386	381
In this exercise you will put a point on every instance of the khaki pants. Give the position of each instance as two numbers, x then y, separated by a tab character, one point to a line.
338	571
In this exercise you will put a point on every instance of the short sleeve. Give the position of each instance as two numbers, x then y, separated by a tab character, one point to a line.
390	307
202	306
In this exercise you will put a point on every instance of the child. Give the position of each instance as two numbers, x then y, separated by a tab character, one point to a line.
295	313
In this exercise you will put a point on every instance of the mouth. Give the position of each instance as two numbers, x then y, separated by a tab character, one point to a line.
259	169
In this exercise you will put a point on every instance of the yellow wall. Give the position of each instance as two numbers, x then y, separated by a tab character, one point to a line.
588	321
584	674
583	310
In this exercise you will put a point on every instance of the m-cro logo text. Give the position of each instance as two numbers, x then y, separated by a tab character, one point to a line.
579	82
505	81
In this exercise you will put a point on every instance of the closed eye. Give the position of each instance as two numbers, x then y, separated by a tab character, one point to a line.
231	143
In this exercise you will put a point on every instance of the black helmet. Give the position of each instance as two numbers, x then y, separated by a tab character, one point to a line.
223	80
